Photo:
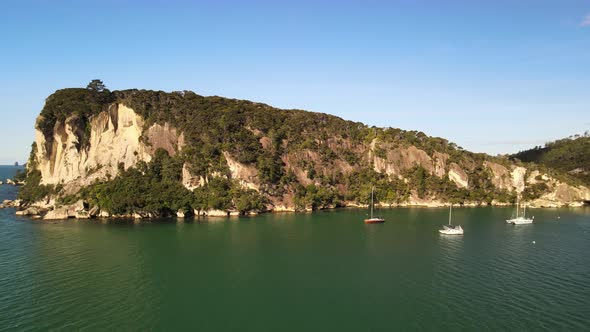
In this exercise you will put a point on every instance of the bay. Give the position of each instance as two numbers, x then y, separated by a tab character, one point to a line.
292	272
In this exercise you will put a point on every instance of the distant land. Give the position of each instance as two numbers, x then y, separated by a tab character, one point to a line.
569	155
147	153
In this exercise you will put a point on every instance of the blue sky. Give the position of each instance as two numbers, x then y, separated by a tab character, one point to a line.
493	76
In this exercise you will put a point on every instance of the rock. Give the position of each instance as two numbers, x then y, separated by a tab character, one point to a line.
94	211
114	138
79	205
1	182
32	211
9	181
7	202
104	214
217	213
57	214
141	215
180	214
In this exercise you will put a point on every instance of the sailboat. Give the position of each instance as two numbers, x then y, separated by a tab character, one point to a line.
373	220
520	220
450	229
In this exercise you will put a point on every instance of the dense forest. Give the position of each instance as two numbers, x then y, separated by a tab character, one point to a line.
569	155
214	125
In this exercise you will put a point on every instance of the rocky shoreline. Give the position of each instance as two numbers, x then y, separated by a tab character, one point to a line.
13	182
82	210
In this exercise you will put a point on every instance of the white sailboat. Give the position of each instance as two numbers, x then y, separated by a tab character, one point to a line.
450	229
520	220
373	220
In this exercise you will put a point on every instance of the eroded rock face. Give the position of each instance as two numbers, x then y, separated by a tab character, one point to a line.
458	175
518	180
190	181
165	137
247	175
114	138
501	176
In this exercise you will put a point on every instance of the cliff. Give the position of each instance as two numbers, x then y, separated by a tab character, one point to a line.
147	153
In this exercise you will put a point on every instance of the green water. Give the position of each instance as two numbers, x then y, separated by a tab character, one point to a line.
298	272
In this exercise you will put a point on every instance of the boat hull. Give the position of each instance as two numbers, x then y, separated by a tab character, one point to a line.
519	222
374	221
451	231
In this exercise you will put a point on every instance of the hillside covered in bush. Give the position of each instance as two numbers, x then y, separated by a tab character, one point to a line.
569	155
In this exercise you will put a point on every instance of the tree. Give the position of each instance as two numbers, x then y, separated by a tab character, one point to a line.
96	85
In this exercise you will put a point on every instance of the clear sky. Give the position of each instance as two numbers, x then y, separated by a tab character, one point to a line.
493	76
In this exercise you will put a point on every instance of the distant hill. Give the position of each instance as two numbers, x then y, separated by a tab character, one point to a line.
570	155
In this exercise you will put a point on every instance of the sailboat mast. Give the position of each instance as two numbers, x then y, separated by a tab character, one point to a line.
372	193
450	212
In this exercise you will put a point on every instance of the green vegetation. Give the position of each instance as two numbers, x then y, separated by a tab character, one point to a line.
156	188
75	106
569	155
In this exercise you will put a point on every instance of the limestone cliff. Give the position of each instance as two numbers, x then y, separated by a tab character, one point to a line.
117	137
292	159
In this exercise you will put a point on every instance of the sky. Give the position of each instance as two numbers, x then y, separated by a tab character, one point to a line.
492	76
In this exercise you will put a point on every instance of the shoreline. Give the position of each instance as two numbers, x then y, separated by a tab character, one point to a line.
65	213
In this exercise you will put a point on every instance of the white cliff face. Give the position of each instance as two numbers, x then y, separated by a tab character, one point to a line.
189	181
247	175
114	138
458	175
518	182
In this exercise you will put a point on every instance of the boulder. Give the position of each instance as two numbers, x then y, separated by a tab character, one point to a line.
32	211
104	214
94	211
9	181
142	215
7	202
57	214
78	206
1	182
180	214
217	213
